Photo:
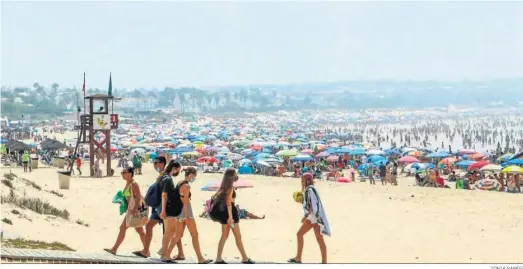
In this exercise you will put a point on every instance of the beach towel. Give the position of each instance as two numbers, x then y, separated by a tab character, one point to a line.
460	184
120	199
312	201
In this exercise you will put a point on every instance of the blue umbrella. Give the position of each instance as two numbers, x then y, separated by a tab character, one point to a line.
441	154
377	158
465	163
423	166
342	151
357	152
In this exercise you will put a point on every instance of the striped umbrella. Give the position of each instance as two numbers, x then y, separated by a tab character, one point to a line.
512	169
487	185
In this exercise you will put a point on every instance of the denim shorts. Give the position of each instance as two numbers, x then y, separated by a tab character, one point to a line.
155	215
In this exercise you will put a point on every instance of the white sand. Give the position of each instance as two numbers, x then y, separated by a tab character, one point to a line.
369	223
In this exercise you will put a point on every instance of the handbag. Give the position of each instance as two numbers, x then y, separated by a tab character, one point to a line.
141	217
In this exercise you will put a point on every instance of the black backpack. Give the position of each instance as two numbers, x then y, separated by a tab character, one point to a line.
174	202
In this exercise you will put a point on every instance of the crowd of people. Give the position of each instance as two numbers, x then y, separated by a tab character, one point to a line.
170	203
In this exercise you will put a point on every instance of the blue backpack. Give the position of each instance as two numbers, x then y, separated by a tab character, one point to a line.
153	197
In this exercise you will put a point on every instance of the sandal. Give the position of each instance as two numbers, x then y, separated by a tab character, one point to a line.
220	262
110	251
248	261
205	262
178	258
139	254
168	261
293	260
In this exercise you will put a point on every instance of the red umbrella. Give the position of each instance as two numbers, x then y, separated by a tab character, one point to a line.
476	156
408	159
477	165
448	161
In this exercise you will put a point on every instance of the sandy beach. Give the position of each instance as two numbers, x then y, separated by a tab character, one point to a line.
369	223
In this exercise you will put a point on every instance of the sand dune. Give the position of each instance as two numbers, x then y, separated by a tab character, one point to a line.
369	223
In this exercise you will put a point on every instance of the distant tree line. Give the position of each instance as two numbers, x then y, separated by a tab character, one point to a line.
355	95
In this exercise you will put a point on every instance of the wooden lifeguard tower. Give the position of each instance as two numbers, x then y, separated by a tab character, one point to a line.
99	119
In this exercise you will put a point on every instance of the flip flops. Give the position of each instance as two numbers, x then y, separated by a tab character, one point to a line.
293	260
205	262
168	261
139	254
248	261
220	262
110	251
178	258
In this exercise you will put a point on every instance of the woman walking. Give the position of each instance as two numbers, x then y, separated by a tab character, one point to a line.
186	217
225	212
314	218
167	214
131	191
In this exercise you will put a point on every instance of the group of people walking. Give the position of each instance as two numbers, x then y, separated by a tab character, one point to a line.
170	203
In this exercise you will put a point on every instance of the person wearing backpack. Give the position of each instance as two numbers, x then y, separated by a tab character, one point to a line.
186	216
153	199
171	207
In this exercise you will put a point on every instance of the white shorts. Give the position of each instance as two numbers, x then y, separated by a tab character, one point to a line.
312	218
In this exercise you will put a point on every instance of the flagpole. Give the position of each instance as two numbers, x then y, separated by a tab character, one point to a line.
83	89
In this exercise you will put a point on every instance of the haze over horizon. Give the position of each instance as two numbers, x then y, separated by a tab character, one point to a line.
158	44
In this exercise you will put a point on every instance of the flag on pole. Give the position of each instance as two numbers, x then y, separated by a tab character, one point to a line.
110	93
83	86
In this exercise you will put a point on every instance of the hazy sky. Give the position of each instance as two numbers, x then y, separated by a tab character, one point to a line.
157	44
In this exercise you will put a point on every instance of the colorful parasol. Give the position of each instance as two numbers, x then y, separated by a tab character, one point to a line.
513	169
487	185
408	159
215	185
491	167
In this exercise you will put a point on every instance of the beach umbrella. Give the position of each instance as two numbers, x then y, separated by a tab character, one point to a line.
448	161
504	157
356	152
441	154
423	166
264	163
408	159
376	152
466	163
342	151
215	185
491	167
512	169
476	156
209	159
322	154
487	184
377	158
332	158
518	162
307	151
477	165
301	158
287	153
392	151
